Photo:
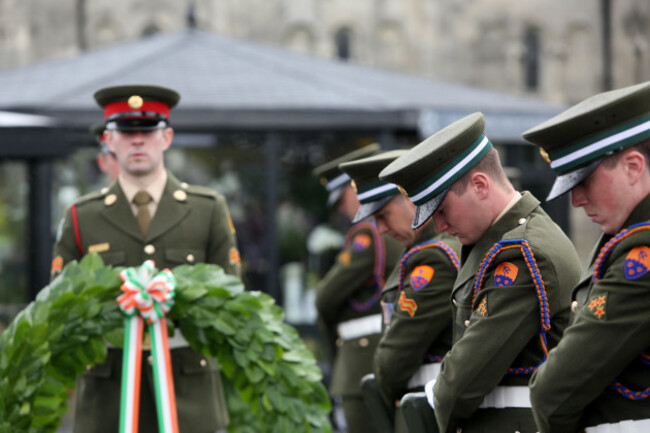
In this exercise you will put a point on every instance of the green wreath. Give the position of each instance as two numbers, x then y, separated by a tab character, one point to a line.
271	380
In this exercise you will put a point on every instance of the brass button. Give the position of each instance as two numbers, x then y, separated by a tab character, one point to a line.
180	195
104	190
149	249
150	359
190	258
467	323
184	185
574	307
339	342
522	220
363	342
110	199
203	363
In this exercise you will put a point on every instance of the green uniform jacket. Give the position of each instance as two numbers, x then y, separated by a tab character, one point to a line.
349	291
499	329
421	321
191	225
605	343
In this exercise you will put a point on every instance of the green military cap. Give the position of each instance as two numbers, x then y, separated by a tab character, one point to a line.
97	130
372	192
136	107
425	173
333	179
575	141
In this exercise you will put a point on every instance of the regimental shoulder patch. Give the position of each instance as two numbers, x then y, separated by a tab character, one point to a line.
421	276
344	258
235	258
505	274
57	265
596	306
637	263
482	308
361	242
408	305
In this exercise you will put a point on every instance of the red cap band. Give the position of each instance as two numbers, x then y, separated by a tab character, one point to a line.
124	107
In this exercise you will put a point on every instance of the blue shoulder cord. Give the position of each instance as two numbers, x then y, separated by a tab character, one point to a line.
378	270
544	315
453	258
598	270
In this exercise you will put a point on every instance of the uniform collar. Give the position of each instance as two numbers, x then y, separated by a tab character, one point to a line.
472	255
155	188
639	213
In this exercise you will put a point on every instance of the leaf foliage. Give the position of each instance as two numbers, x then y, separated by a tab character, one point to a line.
270	378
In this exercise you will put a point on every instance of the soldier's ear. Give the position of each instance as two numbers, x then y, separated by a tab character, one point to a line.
634	165
480	183
168	136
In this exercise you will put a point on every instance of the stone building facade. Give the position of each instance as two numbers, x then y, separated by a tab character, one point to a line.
551	49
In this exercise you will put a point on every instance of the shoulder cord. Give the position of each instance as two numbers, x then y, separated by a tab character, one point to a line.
75	224
379	268
540	290
453	258
598	271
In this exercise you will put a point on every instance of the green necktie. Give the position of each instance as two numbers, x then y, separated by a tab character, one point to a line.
141	200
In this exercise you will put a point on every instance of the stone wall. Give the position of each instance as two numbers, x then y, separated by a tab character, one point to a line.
484	43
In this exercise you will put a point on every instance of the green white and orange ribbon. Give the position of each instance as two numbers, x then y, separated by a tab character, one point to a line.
147	297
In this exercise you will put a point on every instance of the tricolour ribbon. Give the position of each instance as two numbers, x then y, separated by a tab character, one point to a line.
147	298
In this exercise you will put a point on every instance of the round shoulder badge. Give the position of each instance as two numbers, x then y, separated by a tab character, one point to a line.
421	276
637	263
505	274
361	242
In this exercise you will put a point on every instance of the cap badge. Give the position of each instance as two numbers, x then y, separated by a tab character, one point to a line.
403	191
354	186
545	156
135	102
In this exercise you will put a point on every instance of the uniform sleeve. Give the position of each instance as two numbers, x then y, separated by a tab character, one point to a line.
354	267
504	320
65	245
420	315
609	332
223	249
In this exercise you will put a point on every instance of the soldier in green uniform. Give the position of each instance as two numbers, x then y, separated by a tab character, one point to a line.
415	300
148	214
347	298
510	302
598	377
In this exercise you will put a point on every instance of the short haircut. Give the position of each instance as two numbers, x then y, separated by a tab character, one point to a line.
643	148
490	164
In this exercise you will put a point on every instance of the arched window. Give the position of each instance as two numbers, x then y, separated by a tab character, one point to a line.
531	58
343	40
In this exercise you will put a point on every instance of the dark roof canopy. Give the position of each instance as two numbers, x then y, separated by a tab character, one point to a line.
229	84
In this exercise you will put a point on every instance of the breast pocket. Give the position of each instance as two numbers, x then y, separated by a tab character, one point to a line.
184	256
113	258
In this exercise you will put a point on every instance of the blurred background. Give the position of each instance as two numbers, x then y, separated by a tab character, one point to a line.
272	88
